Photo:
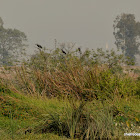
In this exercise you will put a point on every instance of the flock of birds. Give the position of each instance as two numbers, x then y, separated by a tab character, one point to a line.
40	47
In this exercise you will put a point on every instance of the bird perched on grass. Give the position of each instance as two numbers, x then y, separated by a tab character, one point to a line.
39	46
63	51
79	49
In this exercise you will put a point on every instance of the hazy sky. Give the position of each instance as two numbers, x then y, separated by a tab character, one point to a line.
86	22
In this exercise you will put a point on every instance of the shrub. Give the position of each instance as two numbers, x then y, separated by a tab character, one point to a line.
88	76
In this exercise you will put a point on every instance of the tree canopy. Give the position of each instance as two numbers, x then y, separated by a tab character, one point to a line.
127	34
12	44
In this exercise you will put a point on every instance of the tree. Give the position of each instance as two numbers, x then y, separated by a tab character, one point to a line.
12	44
1	22
127	34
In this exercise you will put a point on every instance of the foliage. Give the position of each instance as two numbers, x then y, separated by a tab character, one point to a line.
18	113
92	75
47	118
127	34
12	43
74	95
1	22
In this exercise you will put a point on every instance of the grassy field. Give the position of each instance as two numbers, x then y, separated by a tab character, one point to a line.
57	96
20	113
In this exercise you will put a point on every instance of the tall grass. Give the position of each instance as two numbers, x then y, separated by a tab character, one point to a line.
73	77
87	89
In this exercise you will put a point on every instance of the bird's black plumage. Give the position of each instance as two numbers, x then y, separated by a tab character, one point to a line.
63	51
39	46
79	49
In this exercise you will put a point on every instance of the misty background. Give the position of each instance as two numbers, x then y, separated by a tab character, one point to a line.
88	23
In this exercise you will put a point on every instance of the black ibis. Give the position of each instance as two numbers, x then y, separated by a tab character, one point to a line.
39	46
79	49
63	51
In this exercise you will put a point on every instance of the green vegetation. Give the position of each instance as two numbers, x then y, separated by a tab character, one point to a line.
12	44
21	113
127	34
70	95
